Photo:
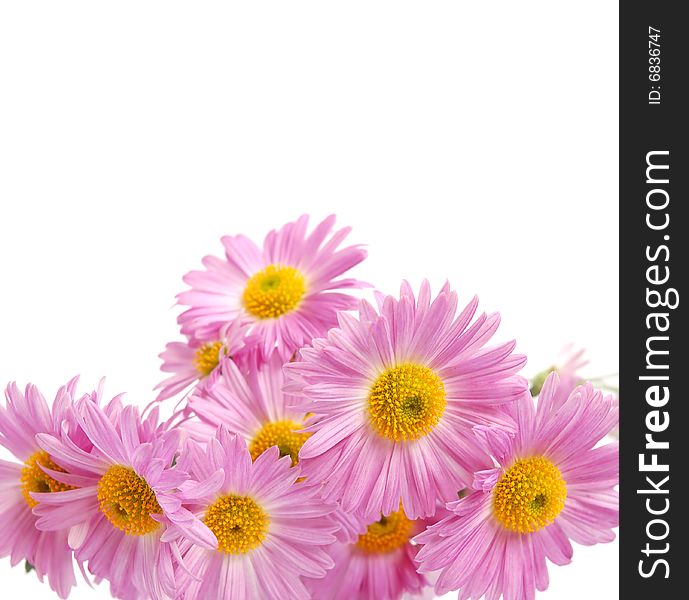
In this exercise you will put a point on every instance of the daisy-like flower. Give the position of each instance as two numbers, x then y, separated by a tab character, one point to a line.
552	484
125	499
270	529
255	407
26	415
379	564
284	291
396	394
196	363
191	362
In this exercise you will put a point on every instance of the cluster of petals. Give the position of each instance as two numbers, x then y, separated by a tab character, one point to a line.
313	262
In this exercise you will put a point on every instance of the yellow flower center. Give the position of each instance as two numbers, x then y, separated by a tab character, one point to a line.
386	535
283	434
406	402
128	501
207	358
238	522
529	495
274	291
34	479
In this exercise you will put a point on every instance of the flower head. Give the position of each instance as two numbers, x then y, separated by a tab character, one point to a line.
254	406
198	363
285	292
25	415
271	530
396	393
552	483
124	498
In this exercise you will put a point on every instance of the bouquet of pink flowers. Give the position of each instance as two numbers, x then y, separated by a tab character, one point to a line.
323	447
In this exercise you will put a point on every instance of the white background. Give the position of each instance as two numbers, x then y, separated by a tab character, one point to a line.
470	141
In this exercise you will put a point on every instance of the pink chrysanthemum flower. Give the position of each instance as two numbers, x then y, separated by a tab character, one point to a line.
25	416
283	291
552	484
197	363
190	362
255	407
271	530
379	564
396	395
125	499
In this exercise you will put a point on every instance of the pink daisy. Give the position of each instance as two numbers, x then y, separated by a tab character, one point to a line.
271	530
379	564
283	291
255	407
125	499
196	363
24	416
396	393
498	539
